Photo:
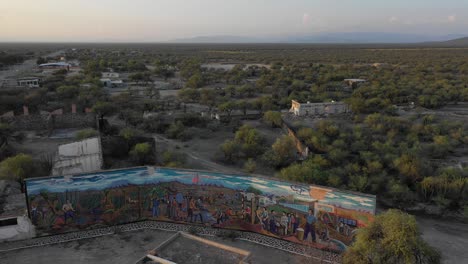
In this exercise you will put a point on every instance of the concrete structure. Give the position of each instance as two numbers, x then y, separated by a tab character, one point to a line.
109	75
14	223
79	157
186	248
24	82
31	82
307	109
16	228
354	83
110	83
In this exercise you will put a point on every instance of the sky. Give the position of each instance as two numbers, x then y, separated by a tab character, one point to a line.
163	20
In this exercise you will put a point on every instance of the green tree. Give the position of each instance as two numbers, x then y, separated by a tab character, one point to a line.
392	238
129	133
227	107
177	130
230	150
17	168
141	152
409	166
250	166
104	108
273	118
285	150
7	133
195	81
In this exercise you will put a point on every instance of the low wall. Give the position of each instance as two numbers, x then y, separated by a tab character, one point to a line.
45	122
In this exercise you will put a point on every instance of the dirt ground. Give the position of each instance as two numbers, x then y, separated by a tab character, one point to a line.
128	248
203	150
37	146
450	238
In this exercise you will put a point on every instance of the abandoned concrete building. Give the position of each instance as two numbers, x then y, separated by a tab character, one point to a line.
78	157
306	109
23	82
31	82
354	83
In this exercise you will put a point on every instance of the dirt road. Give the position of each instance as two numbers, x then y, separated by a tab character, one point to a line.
208	164
450	238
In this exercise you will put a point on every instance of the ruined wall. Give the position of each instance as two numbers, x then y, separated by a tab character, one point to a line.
301	147
46	121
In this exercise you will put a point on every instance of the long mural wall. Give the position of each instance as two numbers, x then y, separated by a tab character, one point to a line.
324	217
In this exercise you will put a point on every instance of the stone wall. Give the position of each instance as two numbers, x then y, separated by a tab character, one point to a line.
45	122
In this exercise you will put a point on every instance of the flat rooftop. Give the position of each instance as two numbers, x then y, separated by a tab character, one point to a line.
184	248
129	247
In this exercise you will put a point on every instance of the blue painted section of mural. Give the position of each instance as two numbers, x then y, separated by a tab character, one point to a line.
299	207
143	176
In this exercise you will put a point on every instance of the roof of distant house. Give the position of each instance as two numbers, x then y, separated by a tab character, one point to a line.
355	80
61	64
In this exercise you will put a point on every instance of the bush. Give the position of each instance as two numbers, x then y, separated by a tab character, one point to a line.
250	166
142	153
392	238
177	130
86	133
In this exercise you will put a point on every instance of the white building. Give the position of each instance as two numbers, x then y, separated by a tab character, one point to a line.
111	83
31	82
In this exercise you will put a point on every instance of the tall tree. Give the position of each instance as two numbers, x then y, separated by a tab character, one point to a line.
17	168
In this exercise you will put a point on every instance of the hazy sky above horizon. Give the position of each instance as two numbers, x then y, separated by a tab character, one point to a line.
161	20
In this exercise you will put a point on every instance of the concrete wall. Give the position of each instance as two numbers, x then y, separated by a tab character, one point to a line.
307	109
79	157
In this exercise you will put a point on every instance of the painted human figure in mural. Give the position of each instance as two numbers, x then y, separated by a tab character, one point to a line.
191	208
68	211
284	222
220	216
310	226
273	222
34	214
174	207
155	211
296	222
199	207
247	214
263	216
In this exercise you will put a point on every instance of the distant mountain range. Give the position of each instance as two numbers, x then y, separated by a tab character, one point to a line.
339	38
456	42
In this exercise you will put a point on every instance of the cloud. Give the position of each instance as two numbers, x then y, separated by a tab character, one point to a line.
393	19
452	18
305	19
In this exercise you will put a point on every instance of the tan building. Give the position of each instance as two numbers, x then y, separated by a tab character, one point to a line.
308	109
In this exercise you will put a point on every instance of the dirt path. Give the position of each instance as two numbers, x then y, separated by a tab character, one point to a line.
208	164
450	238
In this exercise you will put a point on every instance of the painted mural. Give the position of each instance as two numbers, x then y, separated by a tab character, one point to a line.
320	216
